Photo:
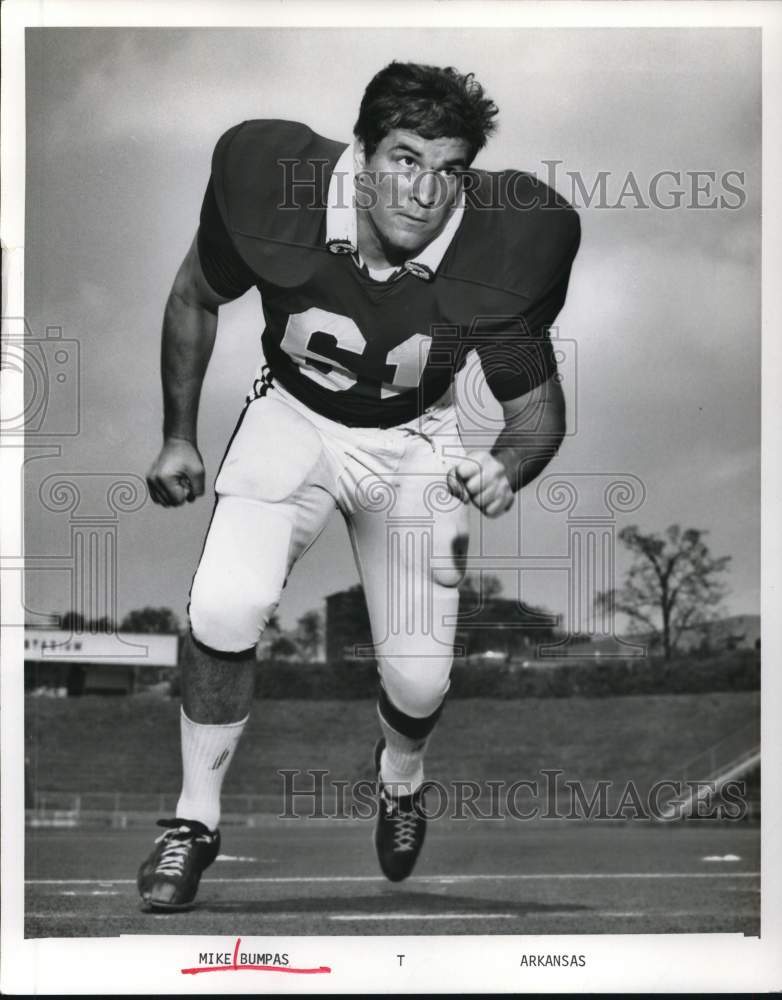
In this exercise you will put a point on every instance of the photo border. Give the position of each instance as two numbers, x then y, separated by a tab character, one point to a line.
151	964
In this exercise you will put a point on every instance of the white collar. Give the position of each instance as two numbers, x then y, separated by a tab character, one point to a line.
341	228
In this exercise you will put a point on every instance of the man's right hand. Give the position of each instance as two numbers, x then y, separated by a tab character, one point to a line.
177	473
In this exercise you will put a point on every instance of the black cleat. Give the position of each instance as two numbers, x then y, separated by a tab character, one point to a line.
400	827
168	879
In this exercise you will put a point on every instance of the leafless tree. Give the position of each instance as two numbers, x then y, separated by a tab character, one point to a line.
673	586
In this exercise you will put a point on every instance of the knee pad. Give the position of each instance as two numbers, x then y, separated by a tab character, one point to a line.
226	617
413	727
416	687
448	576
240	575
222	654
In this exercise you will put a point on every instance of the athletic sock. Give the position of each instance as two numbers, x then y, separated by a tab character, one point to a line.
207	751
402	761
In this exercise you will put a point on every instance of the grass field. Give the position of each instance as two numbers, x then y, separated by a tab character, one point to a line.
320	877
131	744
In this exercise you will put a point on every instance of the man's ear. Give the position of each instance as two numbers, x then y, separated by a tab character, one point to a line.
359	156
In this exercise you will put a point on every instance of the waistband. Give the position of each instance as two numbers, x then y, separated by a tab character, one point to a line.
439	413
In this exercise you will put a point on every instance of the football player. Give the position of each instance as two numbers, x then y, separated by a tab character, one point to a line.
380	265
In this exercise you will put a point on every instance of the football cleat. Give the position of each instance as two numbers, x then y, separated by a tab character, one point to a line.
168	879
400	827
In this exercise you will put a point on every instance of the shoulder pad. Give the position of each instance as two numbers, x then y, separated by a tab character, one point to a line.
271	180
517	234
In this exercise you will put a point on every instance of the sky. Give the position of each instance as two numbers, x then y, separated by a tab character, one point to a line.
660	331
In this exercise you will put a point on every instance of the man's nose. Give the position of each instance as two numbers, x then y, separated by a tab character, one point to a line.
427	189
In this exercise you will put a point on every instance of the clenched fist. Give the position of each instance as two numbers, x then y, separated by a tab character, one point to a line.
177	473
481	478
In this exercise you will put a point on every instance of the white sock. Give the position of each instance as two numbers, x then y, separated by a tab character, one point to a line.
206	755
402	761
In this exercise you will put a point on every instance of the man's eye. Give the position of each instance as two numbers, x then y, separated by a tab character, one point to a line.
407	161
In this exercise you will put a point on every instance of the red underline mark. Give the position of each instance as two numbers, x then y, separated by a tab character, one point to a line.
235	967
253	968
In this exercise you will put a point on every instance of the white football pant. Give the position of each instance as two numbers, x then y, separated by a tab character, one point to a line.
285	470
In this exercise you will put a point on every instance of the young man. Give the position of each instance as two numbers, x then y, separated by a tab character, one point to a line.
380	265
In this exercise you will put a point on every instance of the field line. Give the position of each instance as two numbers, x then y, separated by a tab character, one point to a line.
422	916
556	914
379	917
329	879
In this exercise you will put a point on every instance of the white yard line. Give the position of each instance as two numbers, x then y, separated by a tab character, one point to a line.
348	917
633	914
328	879
90	892
558	914
422	916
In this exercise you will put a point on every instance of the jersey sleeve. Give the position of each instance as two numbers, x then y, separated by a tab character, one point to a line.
517	354
223	267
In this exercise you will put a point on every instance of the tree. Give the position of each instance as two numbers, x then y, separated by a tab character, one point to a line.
270	635
283	647
103	625
309	634
72	621
673	586
161	621
483	587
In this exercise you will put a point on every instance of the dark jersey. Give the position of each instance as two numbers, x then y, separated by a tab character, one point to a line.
366	352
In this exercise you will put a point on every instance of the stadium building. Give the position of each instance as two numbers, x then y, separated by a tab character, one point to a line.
77	663
491	627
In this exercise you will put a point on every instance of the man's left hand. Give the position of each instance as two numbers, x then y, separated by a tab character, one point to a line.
481	478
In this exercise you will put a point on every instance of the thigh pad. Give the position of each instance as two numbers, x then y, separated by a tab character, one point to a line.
273	453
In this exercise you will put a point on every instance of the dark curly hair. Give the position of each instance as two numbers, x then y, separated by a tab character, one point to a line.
433	101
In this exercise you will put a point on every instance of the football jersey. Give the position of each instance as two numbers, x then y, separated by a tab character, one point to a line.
378	353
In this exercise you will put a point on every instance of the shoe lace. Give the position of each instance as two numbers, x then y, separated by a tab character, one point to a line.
177	844
405	824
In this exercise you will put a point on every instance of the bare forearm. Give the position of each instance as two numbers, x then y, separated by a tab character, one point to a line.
534	428
188	338
532	435
524	456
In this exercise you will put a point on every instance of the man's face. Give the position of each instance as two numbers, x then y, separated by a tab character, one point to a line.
406	191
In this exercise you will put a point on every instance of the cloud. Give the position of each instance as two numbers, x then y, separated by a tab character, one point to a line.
621	94
664	306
